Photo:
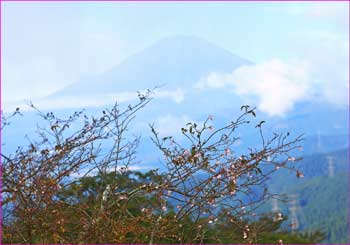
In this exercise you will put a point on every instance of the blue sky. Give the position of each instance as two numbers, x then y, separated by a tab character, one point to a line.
47	46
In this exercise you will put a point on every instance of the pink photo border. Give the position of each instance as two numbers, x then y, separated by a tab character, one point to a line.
171	1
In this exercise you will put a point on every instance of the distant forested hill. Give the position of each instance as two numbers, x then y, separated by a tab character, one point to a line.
321	200
323	204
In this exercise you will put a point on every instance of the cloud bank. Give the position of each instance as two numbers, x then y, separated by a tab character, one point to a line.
276	85
318	72
96	100
170	124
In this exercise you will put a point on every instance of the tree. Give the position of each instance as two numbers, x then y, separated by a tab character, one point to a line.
206	192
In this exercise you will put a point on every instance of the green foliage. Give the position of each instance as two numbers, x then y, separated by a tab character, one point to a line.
322	201
82	200
325	206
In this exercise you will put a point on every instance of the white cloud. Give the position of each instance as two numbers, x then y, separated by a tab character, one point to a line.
88	173
65	102
318	72
46	47
40	75
277	85
85	101
177	95
332	12
213	80
337	12
327	54
170	125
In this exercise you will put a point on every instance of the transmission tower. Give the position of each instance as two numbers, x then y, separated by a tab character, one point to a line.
293	212
319	144
275	207
330	166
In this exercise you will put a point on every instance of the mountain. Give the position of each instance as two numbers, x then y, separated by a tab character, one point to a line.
179	63
176	62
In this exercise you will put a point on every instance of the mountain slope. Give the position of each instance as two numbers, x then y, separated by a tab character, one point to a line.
321	201
324	205
175	61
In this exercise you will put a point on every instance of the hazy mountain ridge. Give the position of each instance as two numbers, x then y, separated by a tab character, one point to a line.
179	63
176	62
321	196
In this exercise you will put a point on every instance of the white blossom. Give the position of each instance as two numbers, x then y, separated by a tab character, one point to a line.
291	159
105	193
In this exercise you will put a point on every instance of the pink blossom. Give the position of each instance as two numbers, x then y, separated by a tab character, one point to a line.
186	153
197	155
211	202
292	159
122	197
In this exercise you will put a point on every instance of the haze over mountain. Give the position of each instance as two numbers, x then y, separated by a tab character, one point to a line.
176	62
179	63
